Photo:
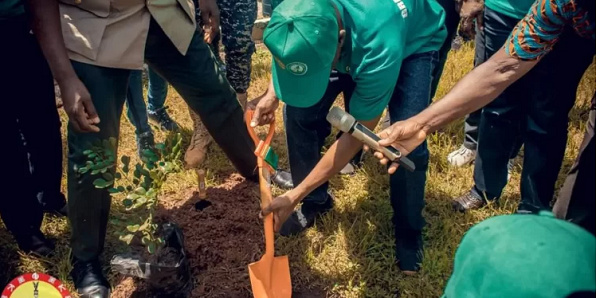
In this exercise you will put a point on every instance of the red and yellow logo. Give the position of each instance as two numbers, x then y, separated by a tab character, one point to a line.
36	285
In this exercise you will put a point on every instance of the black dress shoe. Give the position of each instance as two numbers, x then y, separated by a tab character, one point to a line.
59	212
53	204
304	217
89	280
468	201
283	179
161	117
36	244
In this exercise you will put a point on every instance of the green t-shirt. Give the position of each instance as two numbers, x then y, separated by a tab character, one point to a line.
380	34
11	8
513	8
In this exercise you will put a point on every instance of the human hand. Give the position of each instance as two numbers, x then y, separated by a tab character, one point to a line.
209	33
209	11
281	207
405	136
77	102
264	108
470	11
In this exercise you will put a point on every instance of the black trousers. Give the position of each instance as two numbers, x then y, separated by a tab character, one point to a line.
577	198
32	142
536	108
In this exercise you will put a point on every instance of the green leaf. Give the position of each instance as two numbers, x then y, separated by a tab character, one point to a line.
146	240
137	173
113	142
153	158
127	202
133	196
125	169
103	170
140	191
133	228
92	155
136	181
129	188
150	166
162	163
151	193
160	146
147	182
84	170
148	153
141	200
145	173
121	188
95	172
127	238
101	183
113	190
107	176
152	247
118	176
87	152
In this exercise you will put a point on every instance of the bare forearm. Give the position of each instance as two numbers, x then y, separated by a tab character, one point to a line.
478	88
338	155
46	27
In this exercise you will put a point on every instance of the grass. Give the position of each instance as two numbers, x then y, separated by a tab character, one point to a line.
350	253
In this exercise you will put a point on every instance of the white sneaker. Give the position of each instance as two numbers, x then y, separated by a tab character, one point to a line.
348	169
510	166
462	156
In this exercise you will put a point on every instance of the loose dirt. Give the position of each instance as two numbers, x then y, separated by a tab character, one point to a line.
222	236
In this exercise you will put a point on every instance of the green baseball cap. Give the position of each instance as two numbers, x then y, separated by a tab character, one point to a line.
302	36
524	256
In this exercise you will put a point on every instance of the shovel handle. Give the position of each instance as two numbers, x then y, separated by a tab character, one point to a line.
264	181
262	147
267	141
265	199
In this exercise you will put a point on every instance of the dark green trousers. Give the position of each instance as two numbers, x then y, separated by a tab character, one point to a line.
205	89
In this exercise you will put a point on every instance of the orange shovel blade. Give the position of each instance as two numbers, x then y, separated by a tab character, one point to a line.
270	277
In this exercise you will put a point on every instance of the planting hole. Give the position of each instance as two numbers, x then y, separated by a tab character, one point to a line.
200	205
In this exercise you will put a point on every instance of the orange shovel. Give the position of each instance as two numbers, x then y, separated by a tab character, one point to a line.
270	276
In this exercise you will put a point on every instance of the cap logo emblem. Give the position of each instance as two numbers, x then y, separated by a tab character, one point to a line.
297	68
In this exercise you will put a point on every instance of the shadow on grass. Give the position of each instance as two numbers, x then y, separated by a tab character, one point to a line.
9	256
14	262
365	237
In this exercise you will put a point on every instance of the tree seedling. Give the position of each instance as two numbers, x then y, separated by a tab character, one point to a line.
137	185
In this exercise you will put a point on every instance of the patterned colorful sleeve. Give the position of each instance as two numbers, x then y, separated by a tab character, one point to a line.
535	35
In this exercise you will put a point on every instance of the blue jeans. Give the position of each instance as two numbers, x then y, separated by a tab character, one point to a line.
472	120
307	129
136	107
534	110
